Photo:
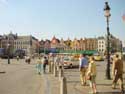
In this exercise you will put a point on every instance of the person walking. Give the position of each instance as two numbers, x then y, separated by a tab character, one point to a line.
45	62
91	73
83	64
57	61
117	72
39	65
61	63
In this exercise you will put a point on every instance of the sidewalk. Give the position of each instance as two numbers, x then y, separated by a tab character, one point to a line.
103	85
52	83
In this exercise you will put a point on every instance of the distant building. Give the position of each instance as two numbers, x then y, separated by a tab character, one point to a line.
7	41
27	43
62	45
115	45
15	42
101	45
42	42
55	43
1	37
91	44
82	44
47	44
68	44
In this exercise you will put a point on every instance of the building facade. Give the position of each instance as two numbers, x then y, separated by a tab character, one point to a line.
7	42
27	43
101	45
91	44
15	42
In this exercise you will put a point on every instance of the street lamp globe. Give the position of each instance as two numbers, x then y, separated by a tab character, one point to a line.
107	10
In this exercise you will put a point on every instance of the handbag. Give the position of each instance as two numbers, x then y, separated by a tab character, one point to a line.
88	77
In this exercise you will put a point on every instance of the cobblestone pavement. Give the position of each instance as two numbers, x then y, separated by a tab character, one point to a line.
103	85
21	78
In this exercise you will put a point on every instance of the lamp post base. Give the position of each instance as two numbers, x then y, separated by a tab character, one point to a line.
8	60
108	76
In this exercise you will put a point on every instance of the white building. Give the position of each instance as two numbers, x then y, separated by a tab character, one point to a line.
101	45
114	43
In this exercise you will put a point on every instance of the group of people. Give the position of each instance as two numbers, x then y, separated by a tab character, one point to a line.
88	71
41	64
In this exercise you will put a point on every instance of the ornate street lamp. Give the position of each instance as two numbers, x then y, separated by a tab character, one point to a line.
107	15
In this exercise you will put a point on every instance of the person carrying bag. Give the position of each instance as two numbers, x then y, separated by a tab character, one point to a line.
91	75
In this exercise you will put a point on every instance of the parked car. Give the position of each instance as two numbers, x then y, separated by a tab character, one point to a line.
67	62
98	58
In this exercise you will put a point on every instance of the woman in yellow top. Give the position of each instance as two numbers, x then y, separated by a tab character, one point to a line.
92	73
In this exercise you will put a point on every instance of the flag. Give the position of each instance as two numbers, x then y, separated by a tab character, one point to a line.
123	17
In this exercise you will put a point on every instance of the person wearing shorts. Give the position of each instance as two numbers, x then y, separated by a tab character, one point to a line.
92	73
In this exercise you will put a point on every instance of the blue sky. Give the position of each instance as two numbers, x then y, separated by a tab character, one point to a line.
62	18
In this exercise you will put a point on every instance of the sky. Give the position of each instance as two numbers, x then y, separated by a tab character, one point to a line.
61	18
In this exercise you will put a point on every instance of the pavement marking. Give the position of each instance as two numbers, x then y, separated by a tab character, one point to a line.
47	85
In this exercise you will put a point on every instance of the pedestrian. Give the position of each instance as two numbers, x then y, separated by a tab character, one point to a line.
91	74
83	64
117	72
39	65
61	63
45	62
27	59
57	61
17	58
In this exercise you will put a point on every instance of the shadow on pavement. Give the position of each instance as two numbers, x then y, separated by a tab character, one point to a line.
2	72
73	81
104	84
110	93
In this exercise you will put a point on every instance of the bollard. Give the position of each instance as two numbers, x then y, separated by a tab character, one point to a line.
57	67
49	67
63	86
60	73
52	67
55	71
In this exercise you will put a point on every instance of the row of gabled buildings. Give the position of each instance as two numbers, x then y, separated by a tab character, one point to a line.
98	44
82	44
31	45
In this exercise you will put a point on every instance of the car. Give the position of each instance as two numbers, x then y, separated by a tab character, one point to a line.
67	63
98	58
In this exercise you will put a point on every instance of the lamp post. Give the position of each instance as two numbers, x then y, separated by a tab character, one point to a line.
8	50
107	15
121	50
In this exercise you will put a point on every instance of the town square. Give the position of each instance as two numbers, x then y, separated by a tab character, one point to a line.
62	47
